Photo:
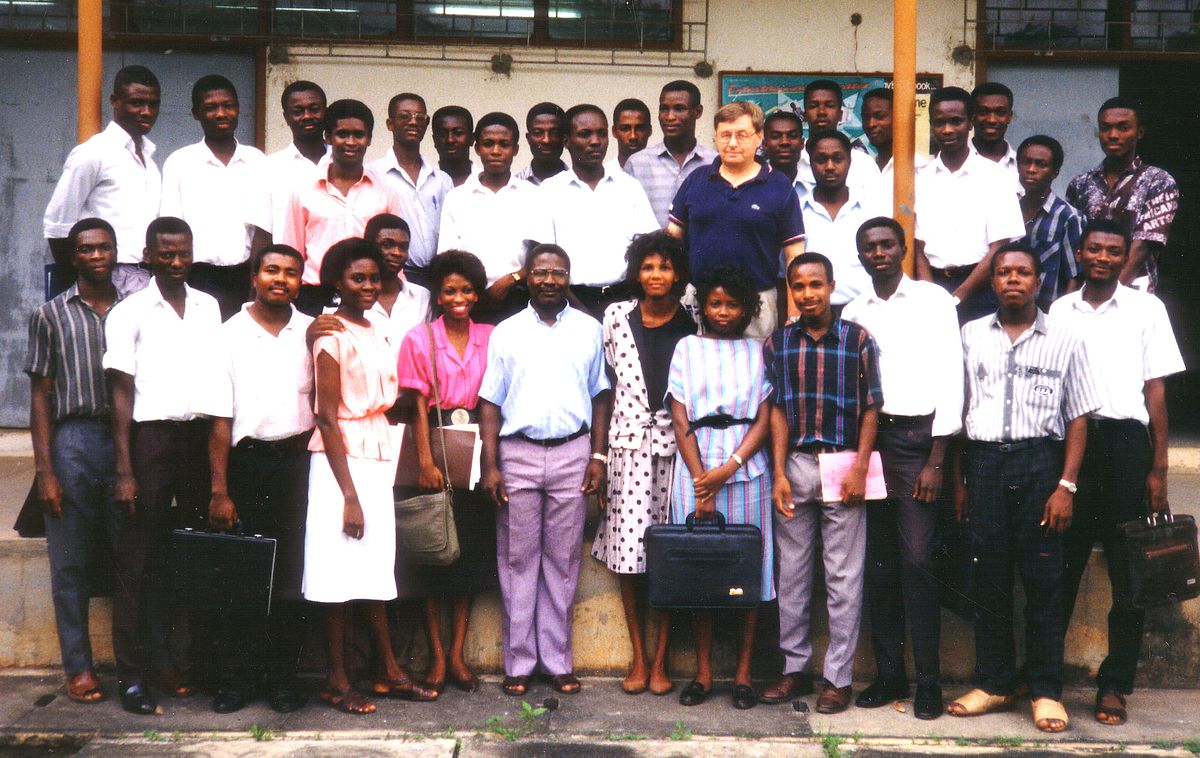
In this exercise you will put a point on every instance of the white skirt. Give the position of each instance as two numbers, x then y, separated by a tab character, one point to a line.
337	568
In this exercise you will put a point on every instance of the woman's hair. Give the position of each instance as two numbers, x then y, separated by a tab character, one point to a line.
656	243
342	254
450	262
735	282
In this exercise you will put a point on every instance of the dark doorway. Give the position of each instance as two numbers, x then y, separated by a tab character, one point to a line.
1170	94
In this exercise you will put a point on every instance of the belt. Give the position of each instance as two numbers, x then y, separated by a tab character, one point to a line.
1113	424
816	448
906	421
454	416
553	441
718	421
294	444
170	424
1012	447
950	272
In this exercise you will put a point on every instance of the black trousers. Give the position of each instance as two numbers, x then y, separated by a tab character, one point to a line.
900	584
1112	483
268	483
314	299
170	464
1007	490
230	285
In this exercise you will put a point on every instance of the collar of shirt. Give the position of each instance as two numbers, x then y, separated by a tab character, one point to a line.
72	293
903	290
323	184
476	340
607	178
189	297
424	173
531	314
833	334
293	153
809	203
660	151
764	168
240	152
1098	172
1039	326
475	186
1078	303
973	161
124	140
1008	160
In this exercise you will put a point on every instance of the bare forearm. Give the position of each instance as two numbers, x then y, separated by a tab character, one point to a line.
1156	404
757	434
1076	442
335	453
220	439
601	412
937	452
979	276
867	427
779	441
689	450
1139	251
40	426
489	434
421	431
121	387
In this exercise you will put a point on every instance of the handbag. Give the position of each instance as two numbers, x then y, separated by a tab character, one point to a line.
425	531
224	572
1156	561
704	564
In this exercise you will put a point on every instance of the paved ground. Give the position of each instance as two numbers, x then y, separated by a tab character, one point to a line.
601	721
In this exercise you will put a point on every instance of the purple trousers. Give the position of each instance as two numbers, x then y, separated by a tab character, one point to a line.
539	540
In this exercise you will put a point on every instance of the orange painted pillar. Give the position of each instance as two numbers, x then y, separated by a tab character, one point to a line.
91	66
904	115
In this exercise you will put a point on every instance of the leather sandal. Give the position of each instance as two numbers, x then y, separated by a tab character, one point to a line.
347	700
404	688
1110	704
977	702
566	684
172	682
1048	710
83	688
515	685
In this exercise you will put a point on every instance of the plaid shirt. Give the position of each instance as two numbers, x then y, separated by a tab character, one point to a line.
1054	233
1144	199
823	385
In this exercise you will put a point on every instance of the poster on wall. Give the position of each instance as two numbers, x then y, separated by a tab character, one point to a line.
779	90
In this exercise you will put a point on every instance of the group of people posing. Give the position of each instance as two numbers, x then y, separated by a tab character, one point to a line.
676	331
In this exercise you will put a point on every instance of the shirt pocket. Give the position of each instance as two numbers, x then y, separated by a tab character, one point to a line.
1039	387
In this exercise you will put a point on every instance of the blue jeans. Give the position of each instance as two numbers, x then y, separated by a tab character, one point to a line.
1007	493
81	452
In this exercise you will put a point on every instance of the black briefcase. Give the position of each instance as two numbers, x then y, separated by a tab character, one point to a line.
704	564
1156	561
223	572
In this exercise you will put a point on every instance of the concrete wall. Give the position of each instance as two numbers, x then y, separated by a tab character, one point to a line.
37	130
743	35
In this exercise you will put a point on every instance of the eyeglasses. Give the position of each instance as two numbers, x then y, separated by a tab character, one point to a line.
549	273
723	137
403	117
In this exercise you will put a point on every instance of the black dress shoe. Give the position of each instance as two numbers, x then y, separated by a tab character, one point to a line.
881	693
694	694
927	704
744	697
286	698
136	699
229	700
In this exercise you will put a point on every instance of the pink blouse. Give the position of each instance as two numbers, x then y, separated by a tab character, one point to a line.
459	378
364	358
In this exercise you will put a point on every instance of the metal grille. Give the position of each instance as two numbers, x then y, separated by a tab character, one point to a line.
1150	25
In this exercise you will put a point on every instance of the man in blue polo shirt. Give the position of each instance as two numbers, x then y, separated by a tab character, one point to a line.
739	212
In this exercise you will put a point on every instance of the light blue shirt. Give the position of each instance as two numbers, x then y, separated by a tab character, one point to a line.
544	377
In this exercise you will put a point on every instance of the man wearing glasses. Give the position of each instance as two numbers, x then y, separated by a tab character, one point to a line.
543	422
422	185
739	212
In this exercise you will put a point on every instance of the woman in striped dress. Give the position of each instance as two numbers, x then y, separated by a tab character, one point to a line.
720	403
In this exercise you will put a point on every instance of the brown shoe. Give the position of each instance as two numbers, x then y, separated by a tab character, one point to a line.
833	699
788	687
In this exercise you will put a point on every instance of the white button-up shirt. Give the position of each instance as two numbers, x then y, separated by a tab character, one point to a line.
422	201
920	351
277	177
492	225
1007	162
835	239
104	178
961	213
1129	342
594	226
883	191
212	197
262	381
411	308
169	358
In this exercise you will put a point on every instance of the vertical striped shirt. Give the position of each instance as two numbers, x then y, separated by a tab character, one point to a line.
1054	233
66	344
824	385
1027	388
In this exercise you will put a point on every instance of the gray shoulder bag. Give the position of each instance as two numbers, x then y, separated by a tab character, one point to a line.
425	531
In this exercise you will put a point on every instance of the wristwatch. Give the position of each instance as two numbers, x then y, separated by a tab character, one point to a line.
1068	486
516	275
600	457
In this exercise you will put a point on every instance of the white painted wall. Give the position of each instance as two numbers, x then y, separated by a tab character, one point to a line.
762	35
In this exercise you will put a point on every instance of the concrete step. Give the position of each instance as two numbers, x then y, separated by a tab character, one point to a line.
1171	653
